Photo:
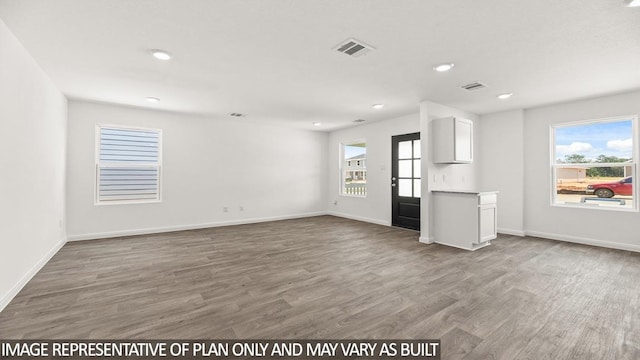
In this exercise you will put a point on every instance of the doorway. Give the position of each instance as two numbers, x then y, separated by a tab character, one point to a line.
405	180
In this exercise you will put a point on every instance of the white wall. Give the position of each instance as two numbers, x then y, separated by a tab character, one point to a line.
376	207
502	166
33	114
272	172
444	176
591	226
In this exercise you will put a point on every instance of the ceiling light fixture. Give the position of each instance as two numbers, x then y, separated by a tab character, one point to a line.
235	114
316	123
378	106
152	99
160	54
359	120
632	3
443	67
504	96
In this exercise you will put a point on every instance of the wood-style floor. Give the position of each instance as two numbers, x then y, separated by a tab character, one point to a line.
331	278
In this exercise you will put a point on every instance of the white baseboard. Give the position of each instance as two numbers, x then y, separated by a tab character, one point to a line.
427	239
6	298
584	241
511	232
485	244
359	218
164	229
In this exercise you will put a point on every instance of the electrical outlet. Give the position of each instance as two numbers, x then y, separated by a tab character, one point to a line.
335	202
241	208
225	209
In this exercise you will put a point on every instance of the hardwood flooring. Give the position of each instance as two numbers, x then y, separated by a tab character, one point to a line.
327	277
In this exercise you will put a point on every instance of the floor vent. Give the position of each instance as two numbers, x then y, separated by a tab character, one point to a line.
474	86
353	47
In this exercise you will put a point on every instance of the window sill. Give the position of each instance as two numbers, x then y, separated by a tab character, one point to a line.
126	202
594	207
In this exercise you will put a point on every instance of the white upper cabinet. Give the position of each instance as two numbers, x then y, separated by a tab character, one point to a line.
452	141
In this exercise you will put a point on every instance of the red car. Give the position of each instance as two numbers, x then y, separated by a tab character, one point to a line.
607	190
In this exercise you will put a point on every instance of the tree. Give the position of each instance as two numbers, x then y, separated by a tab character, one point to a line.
617	171
575	159
610	159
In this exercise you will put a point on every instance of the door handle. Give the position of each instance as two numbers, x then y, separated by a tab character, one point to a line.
393	185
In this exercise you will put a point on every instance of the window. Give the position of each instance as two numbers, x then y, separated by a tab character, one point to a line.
594	162
128	163
353	168
409	177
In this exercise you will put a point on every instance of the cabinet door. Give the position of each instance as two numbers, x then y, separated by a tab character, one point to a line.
487	222
463	140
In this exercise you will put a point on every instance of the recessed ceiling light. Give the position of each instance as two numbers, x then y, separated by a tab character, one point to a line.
152	99
632	3
317	123
378	106
443	67
160	54
504	96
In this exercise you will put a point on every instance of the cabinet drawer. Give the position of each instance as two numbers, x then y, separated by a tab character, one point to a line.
488	199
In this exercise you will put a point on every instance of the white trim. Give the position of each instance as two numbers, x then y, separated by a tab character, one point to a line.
164	229
480	246
571	205
427	239
584	241
511	232
360	218
6	298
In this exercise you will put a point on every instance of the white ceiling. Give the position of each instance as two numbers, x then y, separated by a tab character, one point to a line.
273	59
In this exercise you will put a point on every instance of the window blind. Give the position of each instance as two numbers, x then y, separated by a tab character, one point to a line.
128	168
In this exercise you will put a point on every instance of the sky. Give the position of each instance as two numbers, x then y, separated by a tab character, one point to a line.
351	151
591	140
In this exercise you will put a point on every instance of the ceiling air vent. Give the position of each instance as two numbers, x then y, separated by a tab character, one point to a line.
474	86
353	47
235	114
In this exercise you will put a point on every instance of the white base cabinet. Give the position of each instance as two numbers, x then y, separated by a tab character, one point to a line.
465	219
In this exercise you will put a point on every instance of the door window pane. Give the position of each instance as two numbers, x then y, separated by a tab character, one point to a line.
404	168
404	187
416	168
416	149
416	188
404	150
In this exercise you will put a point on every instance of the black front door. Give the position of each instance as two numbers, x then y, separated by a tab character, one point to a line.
405	181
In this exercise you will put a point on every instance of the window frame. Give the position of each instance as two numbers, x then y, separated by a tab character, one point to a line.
96	182
341	167
635	152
